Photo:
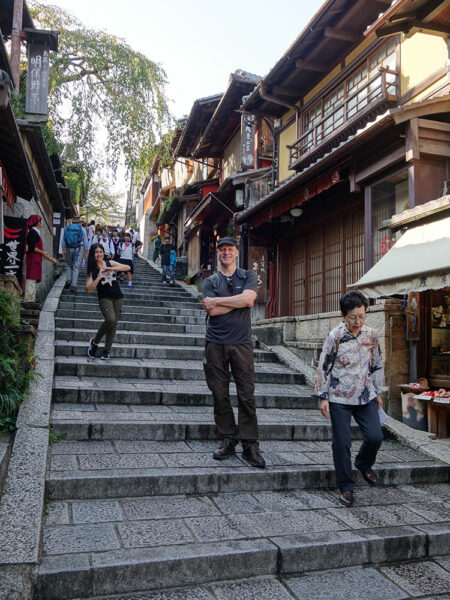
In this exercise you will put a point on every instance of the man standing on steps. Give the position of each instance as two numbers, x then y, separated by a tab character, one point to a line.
228	296
165	250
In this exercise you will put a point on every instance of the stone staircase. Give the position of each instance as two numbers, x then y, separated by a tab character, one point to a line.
136	502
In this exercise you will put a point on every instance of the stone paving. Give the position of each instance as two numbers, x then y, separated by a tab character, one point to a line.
137	506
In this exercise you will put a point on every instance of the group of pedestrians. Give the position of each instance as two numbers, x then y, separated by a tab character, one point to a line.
349	378
118	245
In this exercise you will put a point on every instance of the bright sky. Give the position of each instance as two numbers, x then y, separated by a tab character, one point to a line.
200	42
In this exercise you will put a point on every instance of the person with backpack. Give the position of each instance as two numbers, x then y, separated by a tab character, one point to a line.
74	246
349	383
228	296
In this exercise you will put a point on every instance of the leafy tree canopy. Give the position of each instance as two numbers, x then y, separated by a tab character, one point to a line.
98	83
103	206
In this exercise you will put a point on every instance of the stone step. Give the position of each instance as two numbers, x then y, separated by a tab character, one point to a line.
191	370
150	467
430	574
143	283
141	309
87	390
144	302
132	336
125	544
132	325
79	348
126	315
131	294
174	423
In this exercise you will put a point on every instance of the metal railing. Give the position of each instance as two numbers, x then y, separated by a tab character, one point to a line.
383	86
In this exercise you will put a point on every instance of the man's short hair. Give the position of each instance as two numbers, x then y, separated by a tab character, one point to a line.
351	300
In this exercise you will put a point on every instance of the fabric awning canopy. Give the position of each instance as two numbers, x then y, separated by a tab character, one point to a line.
418	261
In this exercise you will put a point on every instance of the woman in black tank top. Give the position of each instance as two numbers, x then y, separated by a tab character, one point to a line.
102	275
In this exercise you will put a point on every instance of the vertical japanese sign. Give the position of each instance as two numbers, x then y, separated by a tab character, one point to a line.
247	141
37	78
413	317
12	251
257	262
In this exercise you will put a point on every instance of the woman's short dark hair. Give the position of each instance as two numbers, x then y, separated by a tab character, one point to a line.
351	300
91	262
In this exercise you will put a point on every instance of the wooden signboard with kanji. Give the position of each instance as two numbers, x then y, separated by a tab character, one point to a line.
257	262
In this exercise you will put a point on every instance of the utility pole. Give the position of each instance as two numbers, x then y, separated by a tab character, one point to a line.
16	40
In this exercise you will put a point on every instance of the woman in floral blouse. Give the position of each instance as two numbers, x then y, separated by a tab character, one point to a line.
349	382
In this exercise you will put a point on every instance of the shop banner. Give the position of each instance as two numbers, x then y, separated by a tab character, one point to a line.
257	262
247	141
12	251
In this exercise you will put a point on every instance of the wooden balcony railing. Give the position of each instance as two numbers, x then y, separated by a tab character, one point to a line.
379	91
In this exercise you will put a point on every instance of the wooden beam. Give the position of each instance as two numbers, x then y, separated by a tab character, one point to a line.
380	165
409	26
284	91
310	65
412	141
341	34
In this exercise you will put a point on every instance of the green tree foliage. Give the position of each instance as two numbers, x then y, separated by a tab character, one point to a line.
102	204
98	83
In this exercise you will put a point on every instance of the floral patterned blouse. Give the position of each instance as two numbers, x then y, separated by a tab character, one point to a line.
357	373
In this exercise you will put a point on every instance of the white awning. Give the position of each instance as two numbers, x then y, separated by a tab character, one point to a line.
419	260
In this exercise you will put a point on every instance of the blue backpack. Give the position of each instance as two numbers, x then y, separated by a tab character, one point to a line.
73	236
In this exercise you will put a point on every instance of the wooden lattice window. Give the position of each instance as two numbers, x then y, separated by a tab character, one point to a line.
325	260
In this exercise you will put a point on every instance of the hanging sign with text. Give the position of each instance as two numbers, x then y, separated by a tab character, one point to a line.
37	78
257	262
12	251
247	141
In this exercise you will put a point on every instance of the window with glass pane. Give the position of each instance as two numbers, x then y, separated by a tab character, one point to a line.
312	117
350	97
333	110
388	198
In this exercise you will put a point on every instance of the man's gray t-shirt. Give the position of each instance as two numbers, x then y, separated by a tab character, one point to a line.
234	327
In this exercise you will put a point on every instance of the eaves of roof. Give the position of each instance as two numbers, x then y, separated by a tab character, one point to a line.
226	116
14	157
334	31
198	118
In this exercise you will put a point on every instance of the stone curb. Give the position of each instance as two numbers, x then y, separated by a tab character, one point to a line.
418	440
22	504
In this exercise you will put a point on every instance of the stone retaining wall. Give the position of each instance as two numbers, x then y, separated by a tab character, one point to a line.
304	335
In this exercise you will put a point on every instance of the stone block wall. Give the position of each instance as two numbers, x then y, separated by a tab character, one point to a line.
301	334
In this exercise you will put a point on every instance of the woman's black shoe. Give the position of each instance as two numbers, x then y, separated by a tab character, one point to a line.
92	350
105	355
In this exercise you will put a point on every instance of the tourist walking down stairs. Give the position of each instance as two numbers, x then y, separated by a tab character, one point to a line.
349	382
102	275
